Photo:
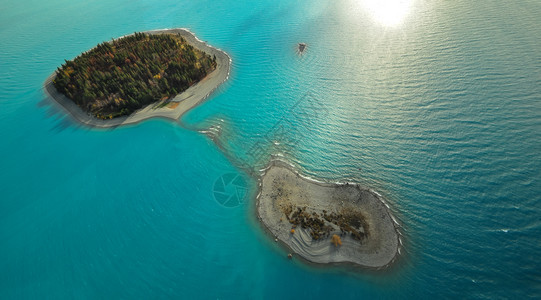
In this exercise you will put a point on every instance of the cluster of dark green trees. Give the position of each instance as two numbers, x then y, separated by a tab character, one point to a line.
118	77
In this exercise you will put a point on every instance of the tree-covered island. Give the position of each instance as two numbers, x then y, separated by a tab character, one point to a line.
119	77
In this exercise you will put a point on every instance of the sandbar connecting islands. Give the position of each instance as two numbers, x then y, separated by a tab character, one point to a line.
324	223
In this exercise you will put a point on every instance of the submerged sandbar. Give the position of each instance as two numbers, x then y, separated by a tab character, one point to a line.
171	108
309	217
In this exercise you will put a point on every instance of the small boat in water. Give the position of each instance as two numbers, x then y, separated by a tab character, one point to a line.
301	47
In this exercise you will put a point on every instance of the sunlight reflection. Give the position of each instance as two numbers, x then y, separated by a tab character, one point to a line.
388	12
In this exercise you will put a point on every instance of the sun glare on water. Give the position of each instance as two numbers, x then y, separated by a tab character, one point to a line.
388	12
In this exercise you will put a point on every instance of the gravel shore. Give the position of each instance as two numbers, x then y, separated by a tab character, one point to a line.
282	187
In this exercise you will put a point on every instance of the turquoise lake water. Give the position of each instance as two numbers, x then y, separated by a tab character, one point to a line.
440	113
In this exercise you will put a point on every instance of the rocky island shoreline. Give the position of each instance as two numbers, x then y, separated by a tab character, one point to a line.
326	222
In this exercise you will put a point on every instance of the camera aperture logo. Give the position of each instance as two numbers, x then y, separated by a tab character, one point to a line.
294	126
230	190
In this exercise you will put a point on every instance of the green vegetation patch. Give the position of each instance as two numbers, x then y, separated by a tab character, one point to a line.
116	78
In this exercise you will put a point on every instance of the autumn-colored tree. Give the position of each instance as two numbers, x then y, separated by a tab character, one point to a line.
336	240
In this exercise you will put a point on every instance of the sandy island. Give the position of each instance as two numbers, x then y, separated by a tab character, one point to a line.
174	108
285	197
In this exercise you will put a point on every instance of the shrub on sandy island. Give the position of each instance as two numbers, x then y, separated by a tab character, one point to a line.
336	240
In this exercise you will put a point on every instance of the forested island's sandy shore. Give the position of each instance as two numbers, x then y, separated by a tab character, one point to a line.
173	108
326	222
